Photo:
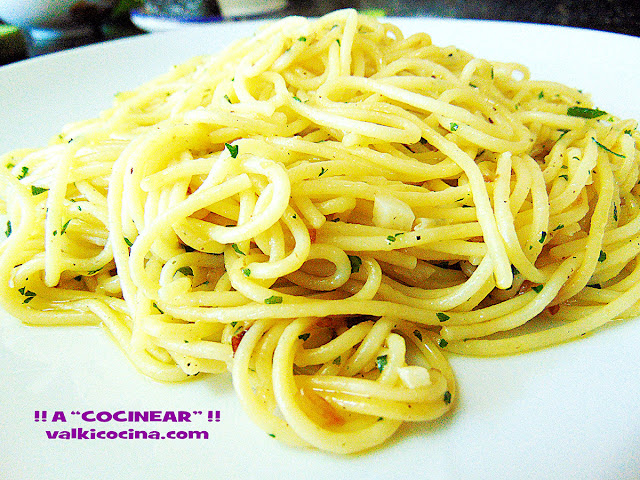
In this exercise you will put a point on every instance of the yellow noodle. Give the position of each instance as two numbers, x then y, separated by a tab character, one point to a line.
323	209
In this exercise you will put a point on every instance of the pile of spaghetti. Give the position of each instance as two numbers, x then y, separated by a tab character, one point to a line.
323	209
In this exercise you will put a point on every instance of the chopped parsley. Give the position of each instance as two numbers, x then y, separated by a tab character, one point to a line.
543	235
615	212
247	272
619	155
454	126
537	288
302	39
443	317
304	336
559	227
442	343
418	334
25	171
155	305
356	262
447	397
381	362
540	95
64	227
584	112
37	190
273	300
297	99
27	293
233	149
602	257
128	242
322	171
392	238
7	232
237	249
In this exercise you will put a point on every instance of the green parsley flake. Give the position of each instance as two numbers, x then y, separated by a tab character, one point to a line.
537	288
7	232
273	299
233	149
619	155
392	238
543	235
447	397
540	95
37	190
615	212
27	293
128	242
442	343
584	112
443	317
237	249
304	336
454	126
302	39
247	272
381	362
155	305
602	257
337	360
322	171
356	263
418	334
559	227
64	227
25	172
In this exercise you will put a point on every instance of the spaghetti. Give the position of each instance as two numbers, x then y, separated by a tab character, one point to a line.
323	209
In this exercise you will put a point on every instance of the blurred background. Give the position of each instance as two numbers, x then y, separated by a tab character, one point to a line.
34	27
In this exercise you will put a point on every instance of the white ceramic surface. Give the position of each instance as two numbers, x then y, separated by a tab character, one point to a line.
568	412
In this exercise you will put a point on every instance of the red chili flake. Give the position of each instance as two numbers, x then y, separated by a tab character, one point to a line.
553	309
235	340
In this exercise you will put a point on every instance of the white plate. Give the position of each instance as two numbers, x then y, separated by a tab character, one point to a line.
569	412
